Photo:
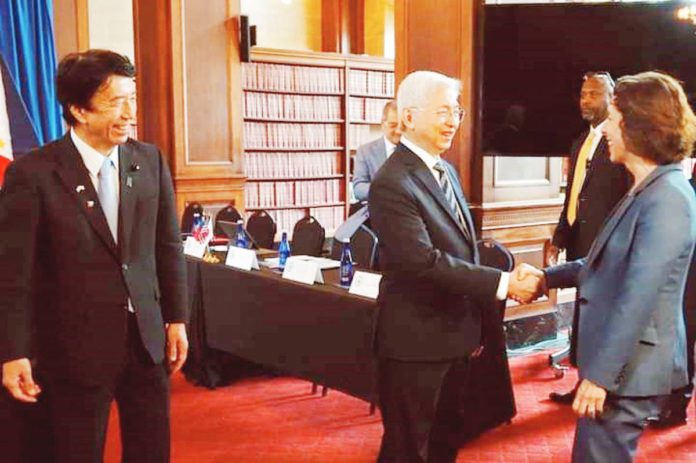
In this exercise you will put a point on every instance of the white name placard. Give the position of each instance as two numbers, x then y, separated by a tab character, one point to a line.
365	284
243	259
303	271
193	247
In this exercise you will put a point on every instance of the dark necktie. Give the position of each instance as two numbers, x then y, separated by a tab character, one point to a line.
448	190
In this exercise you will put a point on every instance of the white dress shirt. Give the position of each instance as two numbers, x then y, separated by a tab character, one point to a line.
93	160
389	147
597	131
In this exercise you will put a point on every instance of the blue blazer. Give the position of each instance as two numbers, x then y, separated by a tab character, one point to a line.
631	338
368	160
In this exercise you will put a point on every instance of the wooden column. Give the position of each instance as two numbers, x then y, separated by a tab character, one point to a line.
343	26
71	26
442	35
189	94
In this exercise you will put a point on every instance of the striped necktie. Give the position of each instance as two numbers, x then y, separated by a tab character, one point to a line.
108	196
448	190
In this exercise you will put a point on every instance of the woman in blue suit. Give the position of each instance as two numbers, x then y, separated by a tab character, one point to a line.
631	337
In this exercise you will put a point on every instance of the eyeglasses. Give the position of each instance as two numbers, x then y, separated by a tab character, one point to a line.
446	114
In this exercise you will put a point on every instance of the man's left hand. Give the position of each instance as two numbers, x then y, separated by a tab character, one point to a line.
177	346
589	400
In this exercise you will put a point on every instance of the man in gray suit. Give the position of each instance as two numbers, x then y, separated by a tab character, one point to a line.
631	344
371	156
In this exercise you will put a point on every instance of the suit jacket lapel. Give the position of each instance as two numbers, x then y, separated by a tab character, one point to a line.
127	196
620	210
75	178
600	155
426	178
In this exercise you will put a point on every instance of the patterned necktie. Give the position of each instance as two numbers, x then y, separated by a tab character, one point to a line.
579	178
108	197
448	190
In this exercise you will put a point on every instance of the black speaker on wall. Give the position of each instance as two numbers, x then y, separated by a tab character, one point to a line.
247	38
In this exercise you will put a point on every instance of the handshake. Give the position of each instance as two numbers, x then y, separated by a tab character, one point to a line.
526	284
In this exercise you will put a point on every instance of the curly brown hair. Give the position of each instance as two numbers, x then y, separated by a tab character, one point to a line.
658	123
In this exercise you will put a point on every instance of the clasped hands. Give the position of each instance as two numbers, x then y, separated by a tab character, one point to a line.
526	284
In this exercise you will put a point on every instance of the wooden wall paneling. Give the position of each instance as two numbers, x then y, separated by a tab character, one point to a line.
71	26
189	89
356	25
331	22
442	35
155	75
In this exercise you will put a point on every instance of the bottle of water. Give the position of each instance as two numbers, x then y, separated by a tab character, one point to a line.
197	222
241	241
283	250
346	270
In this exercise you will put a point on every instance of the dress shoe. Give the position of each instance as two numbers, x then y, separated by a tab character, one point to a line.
668	419
561	398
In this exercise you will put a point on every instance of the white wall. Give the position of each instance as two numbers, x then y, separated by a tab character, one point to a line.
111	26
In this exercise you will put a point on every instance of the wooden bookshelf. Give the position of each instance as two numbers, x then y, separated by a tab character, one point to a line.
304	113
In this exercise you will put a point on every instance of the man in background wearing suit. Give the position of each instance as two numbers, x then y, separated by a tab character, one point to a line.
434	290
92	273
371	156
595	185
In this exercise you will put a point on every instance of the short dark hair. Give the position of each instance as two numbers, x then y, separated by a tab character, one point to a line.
81	74
600	75
658	123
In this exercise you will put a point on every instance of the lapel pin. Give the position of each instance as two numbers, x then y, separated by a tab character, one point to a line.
80	188
90	203
129	181
134	167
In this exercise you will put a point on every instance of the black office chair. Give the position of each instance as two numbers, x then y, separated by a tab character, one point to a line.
187	216
363	245
308	237
262	229
494	254
227	214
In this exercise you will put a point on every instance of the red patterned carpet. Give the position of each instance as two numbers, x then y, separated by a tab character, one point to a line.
278	420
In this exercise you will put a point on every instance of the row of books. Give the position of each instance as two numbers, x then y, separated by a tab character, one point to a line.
378	83
301	193
281	106
282	135
290	78
291	165
359	135
329	217
366	109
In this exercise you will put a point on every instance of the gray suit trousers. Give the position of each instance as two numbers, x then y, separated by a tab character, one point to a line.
613	438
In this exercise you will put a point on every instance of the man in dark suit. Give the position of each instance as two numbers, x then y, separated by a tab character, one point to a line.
595	185
92	273
370	156
674	412
434	290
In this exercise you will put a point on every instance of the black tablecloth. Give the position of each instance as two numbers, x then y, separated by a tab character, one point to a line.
319	333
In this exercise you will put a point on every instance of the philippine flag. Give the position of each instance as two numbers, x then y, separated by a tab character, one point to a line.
5	138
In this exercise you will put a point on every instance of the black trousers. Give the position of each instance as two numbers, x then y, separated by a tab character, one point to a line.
69	423
421	410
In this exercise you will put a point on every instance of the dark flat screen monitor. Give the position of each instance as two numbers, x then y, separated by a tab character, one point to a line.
534	57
